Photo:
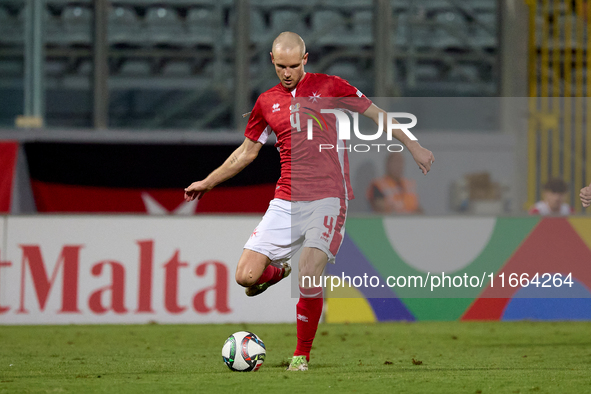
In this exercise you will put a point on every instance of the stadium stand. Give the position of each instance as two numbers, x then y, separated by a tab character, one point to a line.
176	68
483	30
437	44
362	28
282	20
427	72
163	26
139	68
202	26
330	28
124	26
84	69
450	30
259	31
11	28
11	68
77	24
55	68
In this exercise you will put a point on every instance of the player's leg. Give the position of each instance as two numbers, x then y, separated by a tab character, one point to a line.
262	261
323	238
309	307
255	272
251	267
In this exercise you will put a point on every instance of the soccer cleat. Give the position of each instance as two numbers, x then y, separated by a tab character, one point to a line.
298	363
254	290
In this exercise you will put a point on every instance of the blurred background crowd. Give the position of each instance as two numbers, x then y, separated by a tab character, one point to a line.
499	88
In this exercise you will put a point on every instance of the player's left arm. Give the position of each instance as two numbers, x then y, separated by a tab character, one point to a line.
238	160
423	157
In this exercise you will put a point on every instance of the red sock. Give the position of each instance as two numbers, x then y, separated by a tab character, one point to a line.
271	274
309	309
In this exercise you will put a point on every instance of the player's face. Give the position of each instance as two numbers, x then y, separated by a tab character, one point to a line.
289	66
554	200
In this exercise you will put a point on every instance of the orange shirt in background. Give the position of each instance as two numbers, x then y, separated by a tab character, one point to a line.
399	197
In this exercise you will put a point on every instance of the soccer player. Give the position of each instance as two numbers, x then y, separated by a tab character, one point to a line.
309	213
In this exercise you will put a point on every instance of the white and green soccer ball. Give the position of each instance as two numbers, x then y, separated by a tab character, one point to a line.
244	352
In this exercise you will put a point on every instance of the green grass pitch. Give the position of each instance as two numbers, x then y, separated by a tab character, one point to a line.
449	357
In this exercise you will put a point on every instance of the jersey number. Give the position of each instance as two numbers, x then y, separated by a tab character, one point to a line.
329	225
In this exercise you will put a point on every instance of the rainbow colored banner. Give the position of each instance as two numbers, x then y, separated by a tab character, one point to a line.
499	247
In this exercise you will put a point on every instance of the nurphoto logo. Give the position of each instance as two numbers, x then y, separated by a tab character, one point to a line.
343	125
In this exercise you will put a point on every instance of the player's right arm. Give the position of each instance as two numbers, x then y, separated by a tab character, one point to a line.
236	162
423	157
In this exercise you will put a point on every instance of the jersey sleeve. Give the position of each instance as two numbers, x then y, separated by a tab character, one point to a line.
350	97
257	128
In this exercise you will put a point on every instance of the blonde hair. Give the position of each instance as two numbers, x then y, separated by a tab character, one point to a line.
288	41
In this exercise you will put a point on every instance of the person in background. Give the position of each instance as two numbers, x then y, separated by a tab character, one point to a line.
553	201
394	194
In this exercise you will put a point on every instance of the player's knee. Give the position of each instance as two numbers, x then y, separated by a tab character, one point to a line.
245	278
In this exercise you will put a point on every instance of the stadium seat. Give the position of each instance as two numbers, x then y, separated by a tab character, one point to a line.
484	30
163	26
483	5
312	67
400	6
11	68
414	31
400	29
135	68
208	70
363	27
436	6
259	33
85	68
283	20
11	28
464	72
345	70
329	28
55	68
124	26
78	23
258	28
196	3
427	72
54	29
450	31
333	4
177	68
203	26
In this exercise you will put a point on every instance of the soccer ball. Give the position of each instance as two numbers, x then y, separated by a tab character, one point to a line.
244	352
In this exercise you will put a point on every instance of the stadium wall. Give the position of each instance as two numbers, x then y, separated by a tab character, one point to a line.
145	172
137	269
8	160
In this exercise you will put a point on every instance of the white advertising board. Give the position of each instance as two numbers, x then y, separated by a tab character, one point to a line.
3	263
131	269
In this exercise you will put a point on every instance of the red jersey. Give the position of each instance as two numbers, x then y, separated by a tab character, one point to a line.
308	174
